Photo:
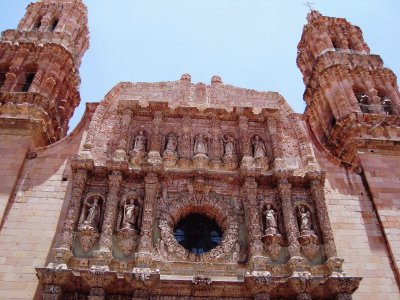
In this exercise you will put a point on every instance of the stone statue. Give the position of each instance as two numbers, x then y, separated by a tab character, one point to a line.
200	145
131	212
271	224
93	213
229	146
171	144
140	141
304	219
258	147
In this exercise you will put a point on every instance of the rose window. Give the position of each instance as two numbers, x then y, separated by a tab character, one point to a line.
198	233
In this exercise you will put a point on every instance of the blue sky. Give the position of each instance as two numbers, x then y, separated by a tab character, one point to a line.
249	43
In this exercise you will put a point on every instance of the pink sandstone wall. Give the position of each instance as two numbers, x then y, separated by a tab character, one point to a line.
357	233
382	172
30	225
13	149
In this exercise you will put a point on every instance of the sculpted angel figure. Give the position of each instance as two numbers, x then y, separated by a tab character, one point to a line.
229	146
200	144
140	141
258	147
131	212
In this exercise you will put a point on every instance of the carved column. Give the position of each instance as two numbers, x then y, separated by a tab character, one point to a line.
254	230
318	196
63	252
52	292
103	255
143	257
154	157
247	160
289	216
97	293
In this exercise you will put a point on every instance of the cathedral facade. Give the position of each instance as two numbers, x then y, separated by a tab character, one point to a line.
181	190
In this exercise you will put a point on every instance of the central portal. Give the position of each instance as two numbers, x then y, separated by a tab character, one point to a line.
198	233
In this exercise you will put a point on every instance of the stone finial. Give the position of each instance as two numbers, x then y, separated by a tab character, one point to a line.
186	77
216	79
312	15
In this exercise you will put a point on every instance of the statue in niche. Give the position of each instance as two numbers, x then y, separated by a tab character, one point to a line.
304	219
172	143
271	224
229	145
130	216
259	150
93	213
200	145
140	141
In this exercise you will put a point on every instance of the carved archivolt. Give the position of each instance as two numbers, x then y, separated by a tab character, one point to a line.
215	207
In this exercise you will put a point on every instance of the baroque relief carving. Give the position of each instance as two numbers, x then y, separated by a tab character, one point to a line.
129	220
215	206
88	228
309	241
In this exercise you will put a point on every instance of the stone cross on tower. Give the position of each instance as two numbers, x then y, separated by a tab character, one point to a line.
309	4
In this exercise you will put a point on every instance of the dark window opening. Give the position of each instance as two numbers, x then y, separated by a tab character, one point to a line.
198	233
28	81
54	25
363	102
37	24
2	78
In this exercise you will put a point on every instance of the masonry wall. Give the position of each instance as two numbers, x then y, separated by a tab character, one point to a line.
13	149
26	236
382	175
357	232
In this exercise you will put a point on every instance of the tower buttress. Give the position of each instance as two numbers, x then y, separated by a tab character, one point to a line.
39	61
351	97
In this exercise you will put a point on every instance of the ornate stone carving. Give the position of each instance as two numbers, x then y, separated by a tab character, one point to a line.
229	159
52	292
88	228
260	156
201	282
200	150
308	240
220	210
170	154
272	239
129	221
139	151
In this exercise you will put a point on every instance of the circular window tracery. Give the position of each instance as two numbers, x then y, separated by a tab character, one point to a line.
198	233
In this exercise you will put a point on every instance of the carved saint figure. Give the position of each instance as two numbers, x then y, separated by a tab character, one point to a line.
200	144
131	212
140	141
304	218
270	218
172	143
229	146
93	213
258	147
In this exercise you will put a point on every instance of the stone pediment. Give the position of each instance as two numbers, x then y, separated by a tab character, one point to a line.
184	93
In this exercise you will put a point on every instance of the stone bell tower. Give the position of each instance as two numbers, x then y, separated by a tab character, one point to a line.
353	106
39	63
39	82
352	100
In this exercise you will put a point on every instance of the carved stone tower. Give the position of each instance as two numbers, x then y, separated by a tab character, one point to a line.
39	82
352	100
39	63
